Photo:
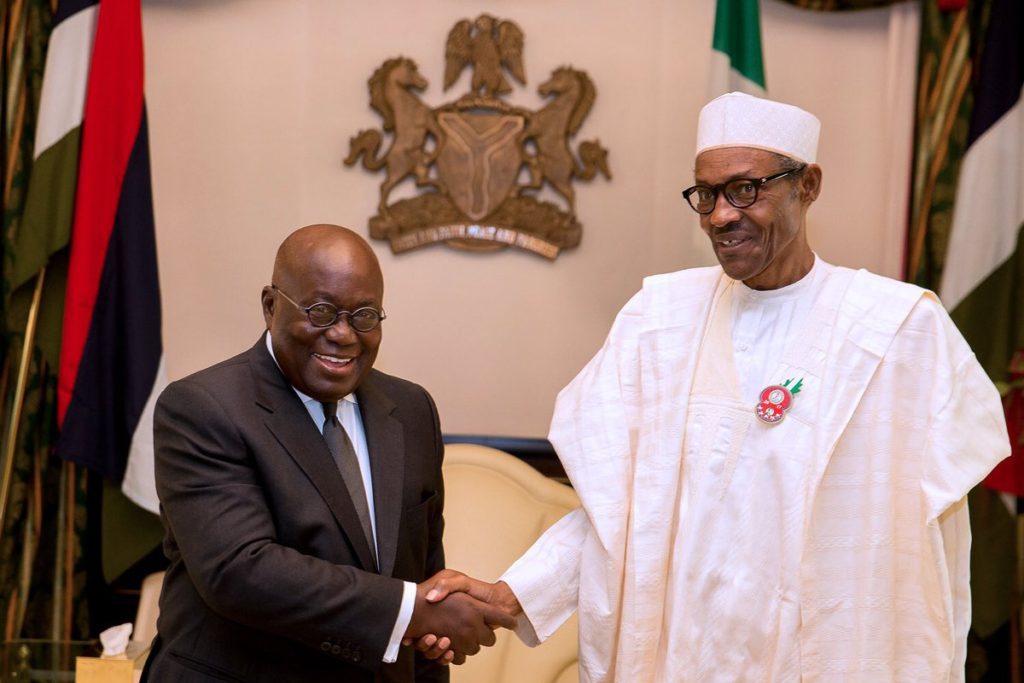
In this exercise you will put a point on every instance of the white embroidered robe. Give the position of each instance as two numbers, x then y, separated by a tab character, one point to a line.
712	547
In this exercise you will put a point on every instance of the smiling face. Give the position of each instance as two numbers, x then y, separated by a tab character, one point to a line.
323	263
765	244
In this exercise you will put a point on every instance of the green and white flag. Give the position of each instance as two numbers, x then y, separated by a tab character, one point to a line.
45	227
736	60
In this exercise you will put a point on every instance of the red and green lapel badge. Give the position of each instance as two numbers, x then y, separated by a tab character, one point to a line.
776	400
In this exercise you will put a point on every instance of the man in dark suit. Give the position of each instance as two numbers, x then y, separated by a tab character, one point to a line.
302	497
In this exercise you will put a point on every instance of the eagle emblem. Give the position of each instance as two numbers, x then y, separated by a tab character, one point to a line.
492	45
479	162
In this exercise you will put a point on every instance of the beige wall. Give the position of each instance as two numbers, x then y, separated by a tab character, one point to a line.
252	102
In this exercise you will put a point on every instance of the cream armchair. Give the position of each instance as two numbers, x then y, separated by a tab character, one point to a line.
496	506
144	629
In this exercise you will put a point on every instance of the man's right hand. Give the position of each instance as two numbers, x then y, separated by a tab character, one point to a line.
466	622
449	582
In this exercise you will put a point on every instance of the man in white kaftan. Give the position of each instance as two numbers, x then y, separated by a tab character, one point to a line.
719	542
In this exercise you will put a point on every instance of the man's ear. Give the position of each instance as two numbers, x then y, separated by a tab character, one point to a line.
267	301
810	183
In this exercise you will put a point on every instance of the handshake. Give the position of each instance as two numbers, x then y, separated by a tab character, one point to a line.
455	615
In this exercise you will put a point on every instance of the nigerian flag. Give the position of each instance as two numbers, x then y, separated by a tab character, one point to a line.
736	61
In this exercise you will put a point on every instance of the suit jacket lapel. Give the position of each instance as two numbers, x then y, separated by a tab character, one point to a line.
291	425
386	443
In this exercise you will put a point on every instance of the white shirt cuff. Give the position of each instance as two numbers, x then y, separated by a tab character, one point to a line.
402	623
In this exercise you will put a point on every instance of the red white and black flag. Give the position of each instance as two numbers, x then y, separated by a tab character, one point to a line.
111	357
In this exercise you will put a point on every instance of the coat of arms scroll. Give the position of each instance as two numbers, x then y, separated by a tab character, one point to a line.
479	162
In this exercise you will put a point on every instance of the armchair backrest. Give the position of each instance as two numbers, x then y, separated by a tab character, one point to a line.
496	506
144	628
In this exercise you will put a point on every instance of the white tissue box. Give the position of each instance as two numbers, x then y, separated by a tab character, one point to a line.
125	668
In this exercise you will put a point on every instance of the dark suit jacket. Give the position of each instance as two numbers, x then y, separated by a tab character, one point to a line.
271	577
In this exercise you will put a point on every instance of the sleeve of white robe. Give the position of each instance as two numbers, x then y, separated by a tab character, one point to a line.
546	579
967	438
593	435
956	541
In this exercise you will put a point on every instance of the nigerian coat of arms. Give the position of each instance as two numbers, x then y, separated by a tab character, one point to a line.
479	161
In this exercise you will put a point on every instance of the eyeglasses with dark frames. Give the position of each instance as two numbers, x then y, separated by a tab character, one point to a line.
323	314
740	192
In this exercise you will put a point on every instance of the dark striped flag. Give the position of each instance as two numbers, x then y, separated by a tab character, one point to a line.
964	238
111	356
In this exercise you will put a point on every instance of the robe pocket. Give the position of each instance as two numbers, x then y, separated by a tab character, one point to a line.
715	433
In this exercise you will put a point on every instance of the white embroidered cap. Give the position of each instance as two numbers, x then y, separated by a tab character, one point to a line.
741	120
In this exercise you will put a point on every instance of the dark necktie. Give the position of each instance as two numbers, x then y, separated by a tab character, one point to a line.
345	458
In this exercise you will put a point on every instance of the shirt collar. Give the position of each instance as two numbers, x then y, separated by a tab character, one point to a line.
791	290
351	398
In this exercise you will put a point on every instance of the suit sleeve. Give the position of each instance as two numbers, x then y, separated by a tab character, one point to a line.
215	507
